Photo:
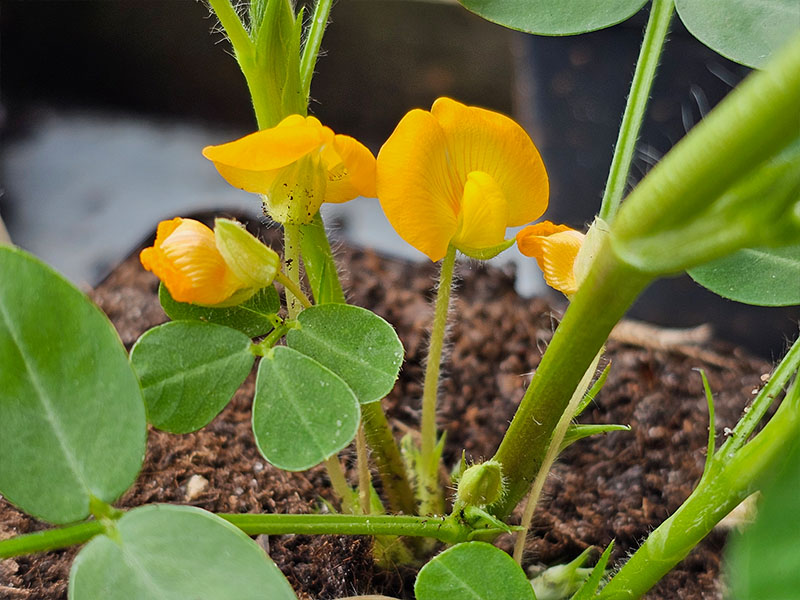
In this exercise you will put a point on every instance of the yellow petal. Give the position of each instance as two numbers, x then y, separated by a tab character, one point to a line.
484	213
416	188
483	140
250	163
351	170
185	257
555	248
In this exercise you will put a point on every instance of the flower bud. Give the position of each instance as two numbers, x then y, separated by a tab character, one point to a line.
481	484
249	259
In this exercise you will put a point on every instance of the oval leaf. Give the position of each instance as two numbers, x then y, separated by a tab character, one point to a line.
760	276
165	552
189	371
303	413
254	317
742	30
72	420
356	344
473	571
549	17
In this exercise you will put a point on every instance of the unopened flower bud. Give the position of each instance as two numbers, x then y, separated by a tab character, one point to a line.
481	484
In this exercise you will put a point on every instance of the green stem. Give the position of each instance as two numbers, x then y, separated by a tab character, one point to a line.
291	260
654	38
430	390
245	53
293	288
610	288
50	539
447	530
319	20
766	396
318	261
553	450
750	125
363	471
387	457
726	484
339	483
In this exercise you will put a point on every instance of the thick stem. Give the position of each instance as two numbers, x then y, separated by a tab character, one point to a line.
552	453
446	530
50	539
387	457
610	288
430	390
728	481
750	125
654	38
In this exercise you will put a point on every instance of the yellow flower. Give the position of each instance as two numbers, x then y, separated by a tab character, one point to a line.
297	165
210	268
555	248
459	175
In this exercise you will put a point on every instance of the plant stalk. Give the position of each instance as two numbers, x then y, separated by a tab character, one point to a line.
430	468
363	471
730	479
291	266
386	455
319	21
553	450
339	483
50	539
610	288
447	530
655	36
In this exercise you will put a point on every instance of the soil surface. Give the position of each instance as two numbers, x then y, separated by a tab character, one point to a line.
618	486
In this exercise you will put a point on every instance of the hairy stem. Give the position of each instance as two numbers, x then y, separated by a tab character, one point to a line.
363	471
339	484
319	20
430	390
655	36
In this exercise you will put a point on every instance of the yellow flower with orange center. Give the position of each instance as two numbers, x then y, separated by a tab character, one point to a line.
223	267
460	175
297	165
555	248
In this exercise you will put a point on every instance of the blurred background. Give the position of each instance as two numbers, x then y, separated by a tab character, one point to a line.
105	105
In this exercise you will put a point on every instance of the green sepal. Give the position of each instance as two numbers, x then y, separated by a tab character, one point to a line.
559	581
485	253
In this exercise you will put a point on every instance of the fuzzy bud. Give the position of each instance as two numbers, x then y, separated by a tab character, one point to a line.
481	484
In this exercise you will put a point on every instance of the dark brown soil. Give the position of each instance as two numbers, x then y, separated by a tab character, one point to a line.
619	486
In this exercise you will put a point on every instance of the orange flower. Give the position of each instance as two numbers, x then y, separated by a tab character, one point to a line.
555	248
297	165
191	261
460	175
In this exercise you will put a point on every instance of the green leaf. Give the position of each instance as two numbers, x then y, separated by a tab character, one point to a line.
254	317
165	552
72	420
744	31
763	562
472	571
189	371
760	276
356	344
555	17
589	587
303	413
579	431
